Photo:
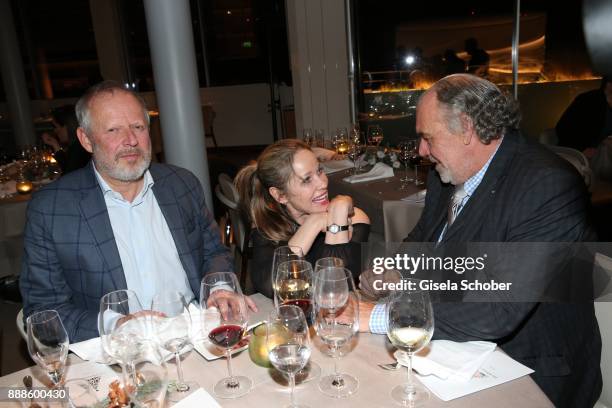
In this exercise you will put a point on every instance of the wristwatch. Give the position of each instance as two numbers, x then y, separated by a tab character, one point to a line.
335	228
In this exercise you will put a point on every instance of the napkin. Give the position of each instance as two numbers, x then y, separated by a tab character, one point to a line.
198	399
418	197
333	166
379	171
90	350
448	359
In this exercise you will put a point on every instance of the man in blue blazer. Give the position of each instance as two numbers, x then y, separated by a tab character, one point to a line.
118	223
491	185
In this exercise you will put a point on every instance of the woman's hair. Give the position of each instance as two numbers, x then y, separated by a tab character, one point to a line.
273	168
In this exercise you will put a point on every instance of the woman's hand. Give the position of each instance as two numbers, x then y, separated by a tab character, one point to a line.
317	220
340	209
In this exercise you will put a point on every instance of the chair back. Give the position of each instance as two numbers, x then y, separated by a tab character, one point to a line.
577	159
399	219
228	195
21	325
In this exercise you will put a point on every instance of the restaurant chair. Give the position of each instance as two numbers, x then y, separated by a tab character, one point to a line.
228	195
209	115
20	325
578	160
399	219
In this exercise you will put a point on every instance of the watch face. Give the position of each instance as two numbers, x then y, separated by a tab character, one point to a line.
334	228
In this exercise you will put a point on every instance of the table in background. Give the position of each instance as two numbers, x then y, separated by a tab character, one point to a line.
12	223
375	384
369	196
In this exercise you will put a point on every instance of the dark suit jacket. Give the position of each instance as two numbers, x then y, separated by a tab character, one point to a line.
528	194
71	258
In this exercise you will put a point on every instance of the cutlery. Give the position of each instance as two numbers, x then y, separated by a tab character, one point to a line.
389	366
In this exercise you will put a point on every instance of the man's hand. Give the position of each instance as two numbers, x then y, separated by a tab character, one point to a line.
346	314
229	302
137	315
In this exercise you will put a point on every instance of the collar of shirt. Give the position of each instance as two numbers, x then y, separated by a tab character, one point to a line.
473	182
108	192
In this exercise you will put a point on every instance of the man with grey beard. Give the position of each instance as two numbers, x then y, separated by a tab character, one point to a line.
118	223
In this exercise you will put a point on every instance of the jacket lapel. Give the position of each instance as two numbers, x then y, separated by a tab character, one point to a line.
480	200
93	209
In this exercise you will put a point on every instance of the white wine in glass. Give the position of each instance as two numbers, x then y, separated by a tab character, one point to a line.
410	328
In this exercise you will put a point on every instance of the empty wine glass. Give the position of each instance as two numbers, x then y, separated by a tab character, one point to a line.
410	328
48	344
320	137
124	327
173	326
284	254
406	152
293	285
288	343
327	262
229	329
151	385
415	160
341	138
308	137
336	310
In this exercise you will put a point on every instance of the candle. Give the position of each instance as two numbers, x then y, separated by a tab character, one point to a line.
260	343
24	187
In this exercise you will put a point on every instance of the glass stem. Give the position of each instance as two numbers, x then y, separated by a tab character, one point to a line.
292	385
416	174
231	379
181	385
410	385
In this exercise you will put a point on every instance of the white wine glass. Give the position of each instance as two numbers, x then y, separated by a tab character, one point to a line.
293	286
230	328
308	137
405	154
283	254
288	343
336	321
173	328
151	386
410	328
124	327
48	344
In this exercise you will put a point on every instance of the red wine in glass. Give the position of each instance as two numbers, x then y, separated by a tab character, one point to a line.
304	304
226	336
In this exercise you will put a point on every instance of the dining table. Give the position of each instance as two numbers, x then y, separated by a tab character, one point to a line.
370	196
367	351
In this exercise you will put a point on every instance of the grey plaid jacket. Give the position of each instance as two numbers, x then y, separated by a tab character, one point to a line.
71	258
527	195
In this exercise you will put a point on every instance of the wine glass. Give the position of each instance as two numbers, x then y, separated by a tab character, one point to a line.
284	254
406	152
124	327
293	285
308	137
415	160
288	343
327	262
320	137
341	138
410	328
375	135
48	344
336	310
151	385
229	329
173	326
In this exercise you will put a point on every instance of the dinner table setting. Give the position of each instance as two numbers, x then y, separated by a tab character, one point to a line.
303	346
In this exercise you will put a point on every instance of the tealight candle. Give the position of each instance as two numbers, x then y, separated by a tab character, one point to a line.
259	344
24	187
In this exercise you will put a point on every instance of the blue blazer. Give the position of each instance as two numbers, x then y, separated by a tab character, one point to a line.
71	258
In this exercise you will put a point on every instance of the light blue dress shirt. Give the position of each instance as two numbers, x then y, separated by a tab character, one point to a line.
378	318
149	257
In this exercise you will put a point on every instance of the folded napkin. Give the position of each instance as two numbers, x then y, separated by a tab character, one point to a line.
199	398
418	197
91	350
448	359
333	166
379	171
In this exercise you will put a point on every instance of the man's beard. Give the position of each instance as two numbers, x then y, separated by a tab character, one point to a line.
120	172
